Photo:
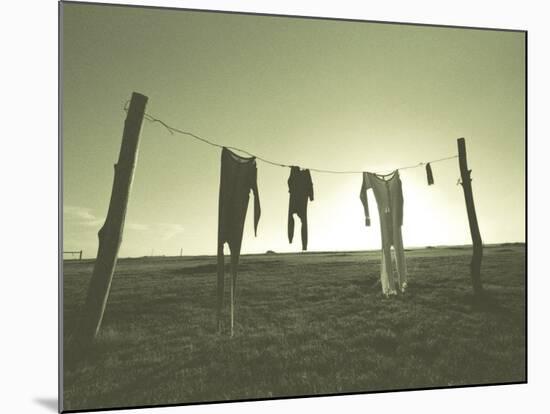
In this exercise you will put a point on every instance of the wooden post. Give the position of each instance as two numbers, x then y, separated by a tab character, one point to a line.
80	256
465	174
110	235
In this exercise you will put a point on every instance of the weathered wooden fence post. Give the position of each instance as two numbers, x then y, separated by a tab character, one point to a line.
80	256
465	174
110	235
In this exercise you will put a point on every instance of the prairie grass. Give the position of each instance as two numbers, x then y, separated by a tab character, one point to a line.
305	324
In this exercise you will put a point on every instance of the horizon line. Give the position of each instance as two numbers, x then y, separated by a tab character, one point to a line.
272	252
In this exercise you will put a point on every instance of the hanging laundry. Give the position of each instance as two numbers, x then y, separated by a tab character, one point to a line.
429	174
238	177
300	188
388	193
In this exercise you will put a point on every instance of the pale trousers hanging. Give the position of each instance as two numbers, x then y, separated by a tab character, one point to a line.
389	198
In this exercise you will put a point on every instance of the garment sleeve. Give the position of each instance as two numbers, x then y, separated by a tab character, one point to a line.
257	209
309	186
363	196
401	202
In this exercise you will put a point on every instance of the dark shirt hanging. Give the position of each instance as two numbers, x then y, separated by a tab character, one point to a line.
300	188
429	174
238	177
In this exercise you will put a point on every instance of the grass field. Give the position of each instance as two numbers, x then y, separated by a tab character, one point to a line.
314	323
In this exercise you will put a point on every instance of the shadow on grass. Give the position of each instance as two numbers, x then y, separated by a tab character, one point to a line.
49	403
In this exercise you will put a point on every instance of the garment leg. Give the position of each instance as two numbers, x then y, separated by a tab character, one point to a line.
234	266
386	276
394	278
304	231
290	227
388	286
400	258
221	280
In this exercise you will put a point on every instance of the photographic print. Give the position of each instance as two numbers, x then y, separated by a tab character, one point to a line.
264	206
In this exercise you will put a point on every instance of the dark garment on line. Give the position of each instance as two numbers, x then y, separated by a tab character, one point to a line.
238	177
429	174
300	188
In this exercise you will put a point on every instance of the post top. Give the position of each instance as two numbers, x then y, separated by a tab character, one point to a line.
139	96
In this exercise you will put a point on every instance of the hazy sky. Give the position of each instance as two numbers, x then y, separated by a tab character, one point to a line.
314	93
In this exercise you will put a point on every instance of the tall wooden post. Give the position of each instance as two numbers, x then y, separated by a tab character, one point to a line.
465	174
80	256
110	235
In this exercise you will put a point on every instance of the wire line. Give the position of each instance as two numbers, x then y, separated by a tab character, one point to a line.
173	130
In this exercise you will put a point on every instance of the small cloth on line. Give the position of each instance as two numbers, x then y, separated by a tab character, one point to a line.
429	173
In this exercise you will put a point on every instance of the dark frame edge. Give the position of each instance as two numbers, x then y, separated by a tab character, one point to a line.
343	19
60	284
526	96
293	397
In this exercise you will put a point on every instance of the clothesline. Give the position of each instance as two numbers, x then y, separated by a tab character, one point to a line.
173	130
